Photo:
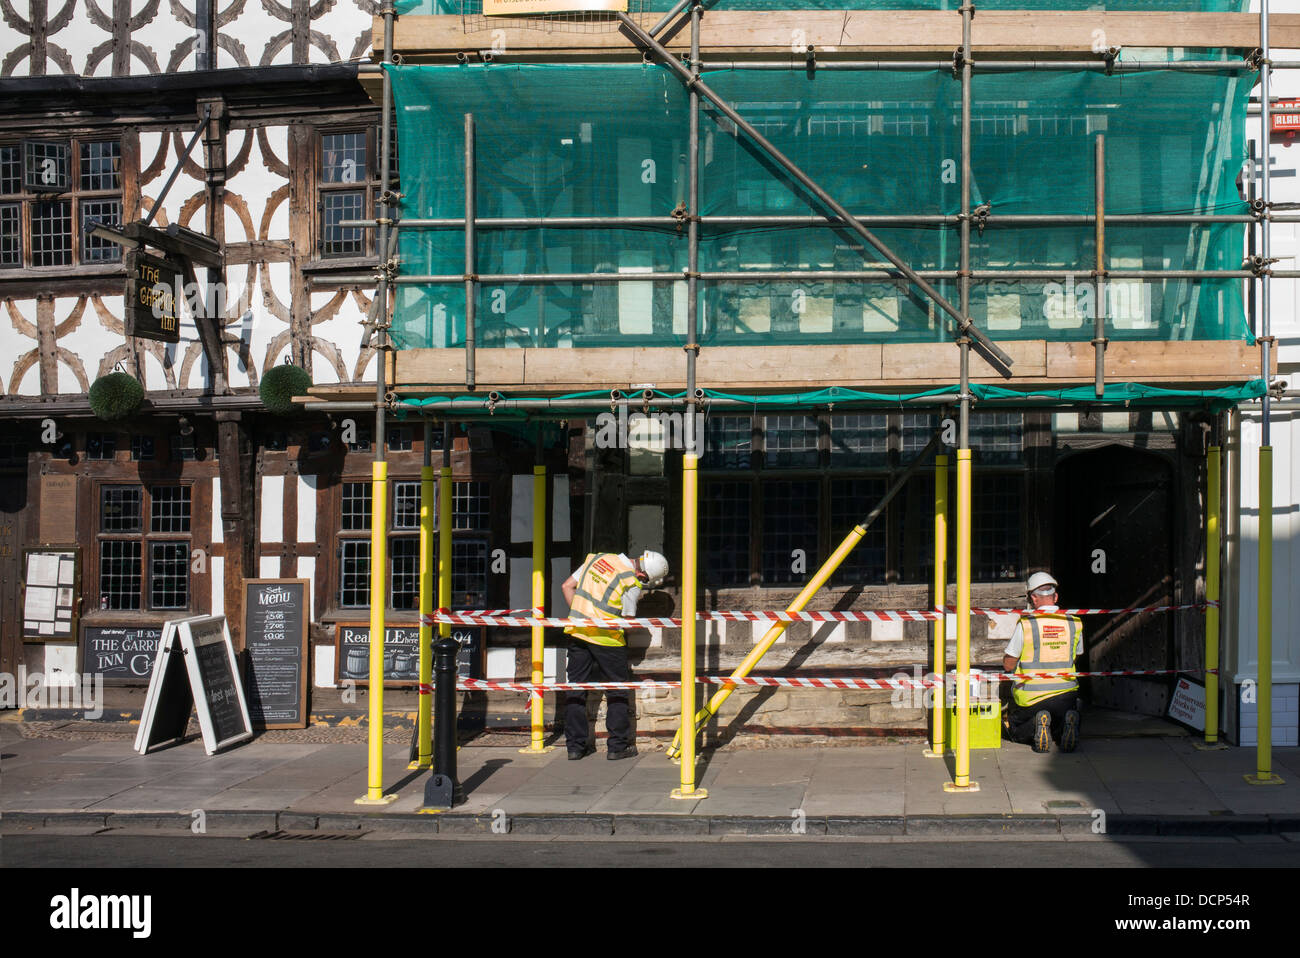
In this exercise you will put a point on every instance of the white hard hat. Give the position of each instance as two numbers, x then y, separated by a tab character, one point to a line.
1038	580
655	566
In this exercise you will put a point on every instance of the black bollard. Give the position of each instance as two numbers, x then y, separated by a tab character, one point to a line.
442	790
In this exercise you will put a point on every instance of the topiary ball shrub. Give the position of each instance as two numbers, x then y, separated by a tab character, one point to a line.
280	384
115	396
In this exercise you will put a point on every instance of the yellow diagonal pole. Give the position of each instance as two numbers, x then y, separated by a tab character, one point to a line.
940	702
805	595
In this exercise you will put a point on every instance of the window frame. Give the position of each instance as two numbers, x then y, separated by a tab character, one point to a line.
147	539
77	198
369	186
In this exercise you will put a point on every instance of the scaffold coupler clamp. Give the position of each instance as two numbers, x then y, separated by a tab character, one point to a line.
1110	55
1259	209
1259	265
1278	386
1255	58
681	214
958	61
390	400
979	217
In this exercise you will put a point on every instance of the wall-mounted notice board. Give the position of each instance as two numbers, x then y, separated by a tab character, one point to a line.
51	593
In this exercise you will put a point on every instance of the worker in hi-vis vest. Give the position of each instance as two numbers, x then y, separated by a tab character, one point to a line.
1045	707
606	585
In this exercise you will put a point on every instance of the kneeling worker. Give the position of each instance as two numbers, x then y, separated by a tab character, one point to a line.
1045	709
607	585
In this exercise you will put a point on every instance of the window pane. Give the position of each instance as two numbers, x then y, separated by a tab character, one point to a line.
49	162
101	165
860	439
399	439
94	249
726	531
336	206
170	509
343	158
142	448
790	442
918	428
406	505
727	442
120	509
11	171
100	445
356	505
404	572
915	511
471	506
119	575
995	520
789	523
469	568
999	437
169	575
11	236
362	443
851	500
354	573
52	233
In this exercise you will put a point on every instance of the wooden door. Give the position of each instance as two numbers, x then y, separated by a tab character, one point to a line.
13	499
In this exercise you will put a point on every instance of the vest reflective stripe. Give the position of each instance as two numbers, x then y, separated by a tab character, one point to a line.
1054	640
601	583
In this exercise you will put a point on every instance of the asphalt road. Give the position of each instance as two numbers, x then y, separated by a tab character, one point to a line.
185	851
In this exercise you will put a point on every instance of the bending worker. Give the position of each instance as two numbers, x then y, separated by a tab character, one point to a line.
1046	708
607	585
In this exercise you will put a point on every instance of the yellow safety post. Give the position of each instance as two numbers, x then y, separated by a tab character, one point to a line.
690	547
940	700
539	598
1213	465
802	599
1264	681
378	600
425	714
961	747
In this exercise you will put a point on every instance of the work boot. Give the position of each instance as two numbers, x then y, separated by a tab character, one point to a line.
1070	734
1042	731
626	753
579	753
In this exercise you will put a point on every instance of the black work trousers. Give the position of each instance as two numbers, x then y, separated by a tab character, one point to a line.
598	663
1020	718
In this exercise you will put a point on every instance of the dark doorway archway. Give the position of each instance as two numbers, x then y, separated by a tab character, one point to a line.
13	502
1113	510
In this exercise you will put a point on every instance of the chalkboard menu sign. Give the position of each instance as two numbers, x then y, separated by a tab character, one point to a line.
275	639
121	655
401	654
196	649
469	660
214	681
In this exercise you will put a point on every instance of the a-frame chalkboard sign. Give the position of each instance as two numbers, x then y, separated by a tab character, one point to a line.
195	670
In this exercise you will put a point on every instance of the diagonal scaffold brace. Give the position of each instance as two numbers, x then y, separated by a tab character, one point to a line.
812	588
965	327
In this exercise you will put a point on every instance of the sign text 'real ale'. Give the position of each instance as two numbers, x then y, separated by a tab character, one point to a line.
151	307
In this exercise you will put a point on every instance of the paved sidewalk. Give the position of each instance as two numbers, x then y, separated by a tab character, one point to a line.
1134	786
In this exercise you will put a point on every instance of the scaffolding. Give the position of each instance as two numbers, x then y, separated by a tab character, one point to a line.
1205	265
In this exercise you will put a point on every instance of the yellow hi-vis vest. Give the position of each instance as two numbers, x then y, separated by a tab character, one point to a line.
1052	643
601	583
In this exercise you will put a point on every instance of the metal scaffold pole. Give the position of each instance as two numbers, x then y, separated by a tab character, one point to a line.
424	717
692	441
537	730
379	471
961	744
938	713
1264	594
1213	544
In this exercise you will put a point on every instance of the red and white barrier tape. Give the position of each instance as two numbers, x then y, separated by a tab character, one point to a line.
851	683
473	617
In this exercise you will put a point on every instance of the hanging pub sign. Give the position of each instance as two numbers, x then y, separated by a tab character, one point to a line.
151	301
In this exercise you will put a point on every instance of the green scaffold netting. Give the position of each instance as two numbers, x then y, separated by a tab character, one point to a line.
611	140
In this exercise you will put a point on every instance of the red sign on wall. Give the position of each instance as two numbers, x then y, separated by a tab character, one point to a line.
1286	116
